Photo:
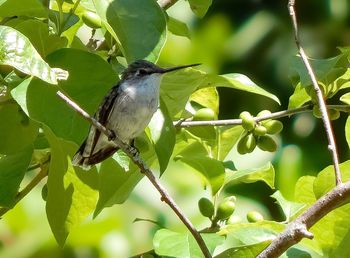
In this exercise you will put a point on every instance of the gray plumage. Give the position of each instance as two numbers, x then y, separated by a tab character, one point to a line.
127	109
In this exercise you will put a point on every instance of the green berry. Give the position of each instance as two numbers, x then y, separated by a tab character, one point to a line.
204	114
225	210
254	216
248	122
273	126
264	113
246	144
266	143
316	111
333	114
233	219
206	207
92	20
260	130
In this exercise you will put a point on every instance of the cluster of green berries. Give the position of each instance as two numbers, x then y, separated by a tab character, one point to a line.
258	133
224	211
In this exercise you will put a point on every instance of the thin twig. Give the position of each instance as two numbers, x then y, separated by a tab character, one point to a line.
36	180
130	151
275	115
298	228
321	102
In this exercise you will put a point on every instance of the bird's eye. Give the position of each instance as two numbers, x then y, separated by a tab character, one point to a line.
142	72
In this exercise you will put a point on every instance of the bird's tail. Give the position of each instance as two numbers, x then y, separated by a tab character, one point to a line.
87	161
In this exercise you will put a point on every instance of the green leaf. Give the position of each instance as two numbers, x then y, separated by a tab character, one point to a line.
325	180
17	51
174	244
12	170
200	7
252	233
290	209
85	88
38	34
139	25
246	251
326	70
265	173
72	193
162	134
345	98
115	184
17	131
236	81
178	27
207	97
227	138
10	8
177	87
347	130
213	170
299	97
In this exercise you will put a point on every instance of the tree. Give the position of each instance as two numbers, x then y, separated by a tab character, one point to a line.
46	59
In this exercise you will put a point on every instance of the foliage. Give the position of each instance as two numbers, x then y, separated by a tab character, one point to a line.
43	51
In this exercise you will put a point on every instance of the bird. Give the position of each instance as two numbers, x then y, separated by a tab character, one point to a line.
126	110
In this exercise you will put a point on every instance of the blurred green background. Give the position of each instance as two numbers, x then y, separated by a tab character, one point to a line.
252	37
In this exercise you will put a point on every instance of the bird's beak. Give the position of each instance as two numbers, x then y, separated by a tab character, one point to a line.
166	70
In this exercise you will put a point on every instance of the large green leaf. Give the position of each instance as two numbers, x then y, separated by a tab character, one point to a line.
347	131
117	179
236	81
213	170
38	34
174	244
12	170
162	133
326	70
17	51
72	193
139	25
10	8
289	208
84	87
227	138
245	251
265	174
17	131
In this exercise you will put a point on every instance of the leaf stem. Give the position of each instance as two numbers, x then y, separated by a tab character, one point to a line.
133	154
320	99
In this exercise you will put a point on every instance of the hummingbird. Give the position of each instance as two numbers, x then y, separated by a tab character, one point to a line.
126	110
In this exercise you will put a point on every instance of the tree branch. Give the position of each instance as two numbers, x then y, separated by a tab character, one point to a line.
275	115
321	102
298	228
133	154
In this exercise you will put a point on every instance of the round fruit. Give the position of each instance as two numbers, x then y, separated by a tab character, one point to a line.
204	114
248	122
273	126
254	216
266	143
246	144
233	219
206	207
225	210
333	114
260	130
92	20
316	111
264	113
